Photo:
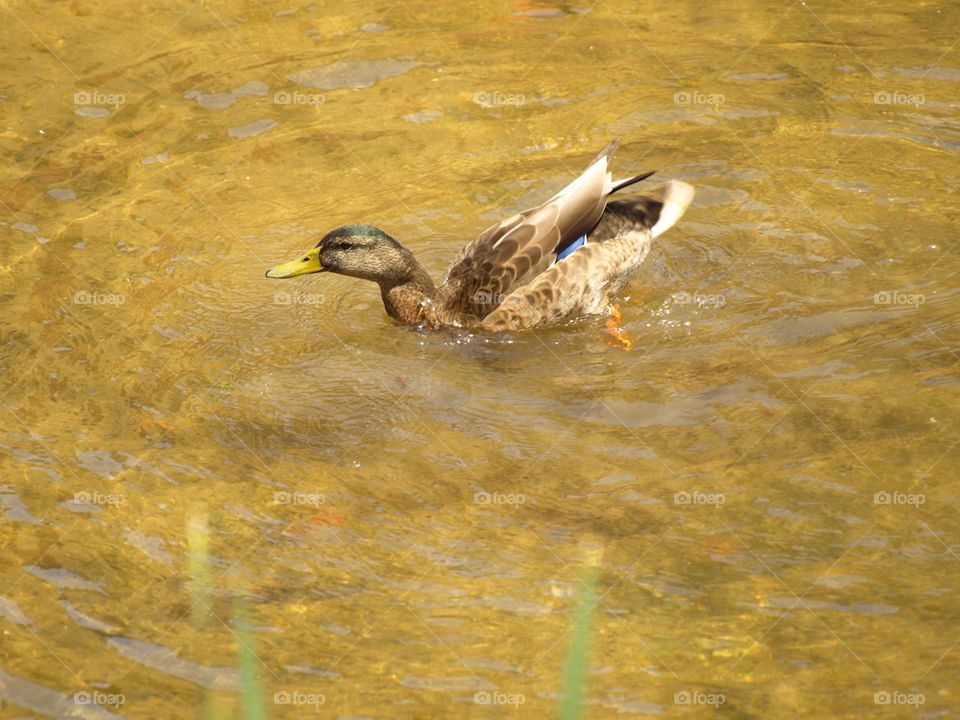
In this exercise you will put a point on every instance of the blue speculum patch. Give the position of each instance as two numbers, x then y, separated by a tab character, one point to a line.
572	247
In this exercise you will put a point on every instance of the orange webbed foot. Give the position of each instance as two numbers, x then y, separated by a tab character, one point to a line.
618	333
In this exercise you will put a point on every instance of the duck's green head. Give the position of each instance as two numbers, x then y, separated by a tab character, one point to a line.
362	251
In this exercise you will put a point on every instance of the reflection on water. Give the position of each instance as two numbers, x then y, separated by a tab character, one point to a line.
766	472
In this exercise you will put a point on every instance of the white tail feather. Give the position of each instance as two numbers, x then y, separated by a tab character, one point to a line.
676	200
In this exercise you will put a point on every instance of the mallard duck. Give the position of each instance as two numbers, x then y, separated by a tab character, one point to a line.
569	257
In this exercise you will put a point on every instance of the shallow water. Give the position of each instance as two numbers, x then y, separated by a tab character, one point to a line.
408	514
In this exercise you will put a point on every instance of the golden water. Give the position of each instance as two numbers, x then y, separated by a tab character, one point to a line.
796	352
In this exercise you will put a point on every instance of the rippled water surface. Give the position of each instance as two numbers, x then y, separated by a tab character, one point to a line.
762	482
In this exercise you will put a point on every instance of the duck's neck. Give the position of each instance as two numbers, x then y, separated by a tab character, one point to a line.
407	294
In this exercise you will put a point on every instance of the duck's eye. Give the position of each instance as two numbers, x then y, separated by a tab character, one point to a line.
342	246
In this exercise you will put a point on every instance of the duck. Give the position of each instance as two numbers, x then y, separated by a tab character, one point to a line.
568	258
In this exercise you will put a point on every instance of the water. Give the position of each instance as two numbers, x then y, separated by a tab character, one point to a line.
407	514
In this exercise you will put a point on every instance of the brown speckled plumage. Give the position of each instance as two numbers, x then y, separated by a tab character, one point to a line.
509	278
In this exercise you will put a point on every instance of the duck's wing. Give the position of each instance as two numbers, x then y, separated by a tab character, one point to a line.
517	249
583	283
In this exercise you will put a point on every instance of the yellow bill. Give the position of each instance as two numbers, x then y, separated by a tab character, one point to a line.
309	262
